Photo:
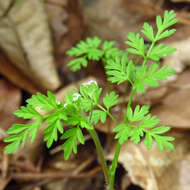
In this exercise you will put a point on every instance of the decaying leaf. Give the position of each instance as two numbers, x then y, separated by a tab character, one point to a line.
4	6
174	109
179	1
57	2
180	58
158	170
14	75
26	39
10	98
58	17
109	15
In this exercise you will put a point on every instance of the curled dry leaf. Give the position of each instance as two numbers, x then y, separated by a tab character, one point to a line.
158	170
25	38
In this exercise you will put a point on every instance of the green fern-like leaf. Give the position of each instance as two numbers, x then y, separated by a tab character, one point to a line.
71	136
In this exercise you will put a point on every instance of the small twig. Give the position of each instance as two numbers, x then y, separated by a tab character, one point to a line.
80	168
54	175
26	166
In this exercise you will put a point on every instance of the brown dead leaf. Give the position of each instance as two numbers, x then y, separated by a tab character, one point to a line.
58	2
107	17
15	76
10	99
58	16
181	58
158	170
179	1
25	38
174	109
4	6
72	15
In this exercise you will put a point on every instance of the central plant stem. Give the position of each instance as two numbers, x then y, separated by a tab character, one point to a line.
113	166
101	155
109	174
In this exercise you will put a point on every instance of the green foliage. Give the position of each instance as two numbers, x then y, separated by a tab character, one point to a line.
71	136
118	71
137	44
44	102
83	108
169	20
160	51
140	123
110	100
110	51
98	115
27	112
20	133
91	50
149	75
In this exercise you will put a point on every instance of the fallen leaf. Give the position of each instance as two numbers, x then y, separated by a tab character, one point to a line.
180	1
181	57
26	39
58	16
10	99
103	16
15	76
174	109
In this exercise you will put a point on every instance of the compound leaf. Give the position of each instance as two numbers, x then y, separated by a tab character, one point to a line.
48	102
169	20
51	132
137	44
71	136
118	71
148	31
123	132
138	114
27	112
150	76
19	133
98	115
160	51
110	100
77	63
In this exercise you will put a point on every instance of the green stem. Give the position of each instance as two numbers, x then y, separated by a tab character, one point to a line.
129	103
101	155
108	113
113	167
149	50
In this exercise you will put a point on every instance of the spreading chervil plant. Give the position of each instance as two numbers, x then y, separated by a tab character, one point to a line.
85	107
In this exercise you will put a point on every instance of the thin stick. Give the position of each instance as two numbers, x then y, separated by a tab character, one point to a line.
54	175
